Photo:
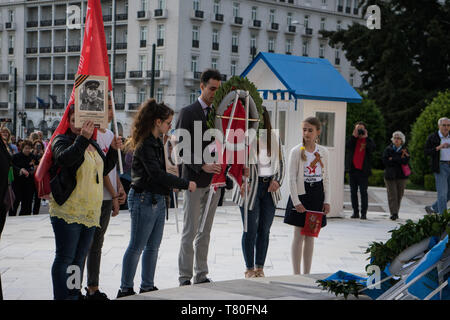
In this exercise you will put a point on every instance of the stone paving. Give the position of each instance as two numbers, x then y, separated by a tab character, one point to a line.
27	247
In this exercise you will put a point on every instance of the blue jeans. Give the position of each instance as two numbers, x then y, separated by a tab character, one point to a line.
255	241
72	245
147	226
442	187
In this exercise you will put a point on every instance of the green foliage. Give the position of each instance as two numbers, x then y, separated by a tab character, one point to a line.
404	63
234	83
429	182
383	253
344	288
425	125
377	178
370	114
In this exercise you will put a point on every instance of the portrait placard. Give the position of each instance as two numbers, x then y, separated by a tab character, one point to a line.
91	100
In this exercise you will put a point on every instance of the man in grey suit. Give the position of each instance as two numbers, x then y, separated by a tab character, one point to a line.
193	253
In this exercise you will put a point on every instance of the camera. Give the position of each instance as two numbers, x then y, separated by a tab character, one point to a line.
361	132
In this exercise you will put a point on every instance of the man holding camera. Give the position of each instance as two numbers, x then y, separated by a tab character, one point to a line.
438	147
358	153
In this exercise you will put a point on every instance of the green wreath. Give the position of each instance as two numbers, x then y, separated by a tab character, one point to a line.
234	83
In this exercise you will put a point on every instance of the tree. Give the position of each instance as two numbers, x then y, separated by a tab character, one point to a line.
368	112
406	62
426	124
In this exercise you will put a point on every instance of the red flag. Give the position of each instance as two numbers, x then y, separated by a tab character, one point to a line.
235	157
93	61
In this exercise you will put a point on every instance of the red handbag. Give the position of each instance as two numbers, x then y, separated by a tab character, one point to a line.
406	170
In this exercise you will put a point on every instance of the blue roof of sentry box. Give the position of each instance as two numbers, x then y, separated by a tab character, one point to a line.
307	78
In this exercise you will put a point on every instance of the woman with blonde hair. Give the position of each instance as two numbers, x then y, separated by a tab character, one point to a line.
309	188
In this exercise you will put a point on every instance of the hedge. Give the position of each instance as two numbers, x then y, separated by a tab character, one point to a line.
375	180
426	124
429	182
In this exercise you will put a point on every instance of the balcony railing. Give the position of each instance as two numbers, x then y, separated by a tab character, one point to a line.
224	77
195	43
121	16
3	105
253	51
107	18
32	24
45	76
160	42
71	76
238	20
44	106
256	23
340	8
337	61
142	14
308	31
218	17
30	105
199	14
215	46
355	11
133	106
58	105
59	76
234	49
10	50
46	23
157	73
136	74
60	22
45	49
59	49
32	50
160	13
121	45
120	106
74	48
31	77
197	75
143	43
119	75
274	26
4	77
291	29
347	9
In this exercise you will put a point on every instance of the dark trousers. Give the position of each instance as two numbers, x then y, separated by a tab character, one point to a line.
359	180
37	203
2	224
95	252
24	192
72	245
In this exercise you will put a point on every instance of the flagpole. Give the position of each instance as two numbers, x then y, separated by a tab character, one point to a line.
116	130
211	188
247	97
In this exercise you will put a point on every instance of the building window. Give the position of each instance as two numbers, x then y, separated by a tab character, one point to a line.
192	96
272	16
288	46
161	4
324	2
271	45
194	62
159	94
339	25
141	95
144	5
254	13
253	41
142	62
143	33
160	35
233	68
305	48
322	23
196	5
159	62
215	36
351	79
216	7
235	39
235	9
306	21
327	120
321	51
214	63
11	41
11	16
195	33
289	18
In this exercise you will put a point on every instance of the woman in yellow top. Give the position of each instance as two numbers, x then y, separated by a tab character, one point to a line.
75	202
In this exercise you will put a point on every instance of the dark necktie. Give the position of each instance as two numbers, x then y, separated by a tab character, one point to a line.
208	110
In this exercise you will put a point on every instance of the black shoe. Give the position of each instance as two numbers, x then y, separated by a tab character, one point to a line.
129	292
185	283
355	216
144	291
394	217
204	281
363	217
97	295
81	297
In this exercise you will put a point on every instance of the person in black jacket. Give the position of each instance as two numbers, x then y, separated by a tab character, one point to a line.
150	184
358	152
394	156
24	165
438	147
75	202
5	163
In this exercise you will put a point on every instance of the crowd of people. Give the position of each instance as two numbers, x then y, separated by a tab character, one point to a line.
86	190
